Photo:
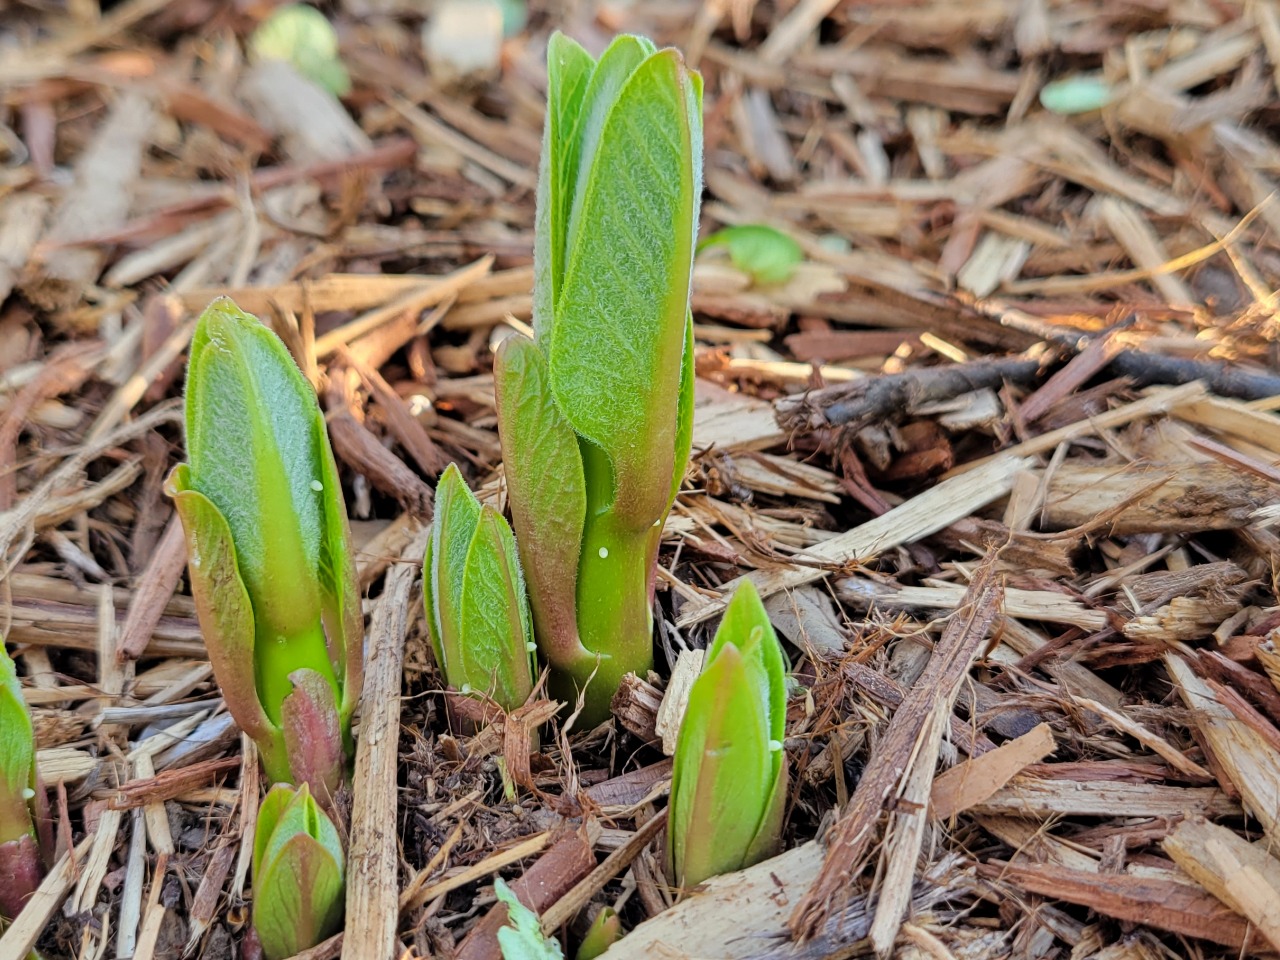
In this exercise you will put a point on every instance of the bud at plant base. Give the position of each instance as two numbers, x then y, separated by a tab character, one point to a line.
729	783
269	550
477	613
298	873
596	416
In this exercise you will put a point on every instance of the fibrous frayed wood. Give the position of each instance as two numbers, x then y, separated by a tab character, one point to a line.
99	200
928	513
1244	876
373	888
850	837
1244	754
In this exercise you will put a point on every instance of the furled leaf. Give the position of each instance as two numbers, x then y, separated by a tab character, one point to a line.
20	874
298	873
728	786
268	544
547	491
478	616
768	255
616	348
569	70
301	35
522	938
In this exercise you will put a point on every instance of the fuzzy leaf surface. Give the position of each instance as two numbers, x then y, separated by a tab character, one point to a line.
616	347
547	489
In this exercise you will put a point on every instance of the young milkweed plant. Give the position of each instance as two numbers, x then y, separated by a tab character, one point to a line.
477	613
729	783
268	550
297	873
595	415
21	806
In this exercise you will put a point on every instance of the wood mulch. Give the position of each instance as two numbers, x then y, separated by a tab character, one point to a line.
1002	455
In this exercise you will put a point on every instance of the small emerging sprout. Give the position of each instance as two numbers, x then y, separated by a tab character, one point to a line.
605	931
21	810
268	550
477	613
297	873
729	783
596	416
768	255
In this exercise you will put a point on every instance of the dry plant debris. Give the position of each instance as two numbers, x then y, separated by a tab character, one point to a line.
1000	454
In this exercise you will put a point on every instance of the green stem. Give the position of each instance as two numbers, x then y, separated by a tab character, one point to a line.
614	620
278	656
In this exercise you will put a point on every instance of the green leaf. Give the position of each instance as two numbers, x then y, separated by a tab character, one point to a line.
267	535
728	787
17	756
547	490
226	617
478	616
298	874
569	70
768	255
722	778
300	35
522	939
248	406
457	513
616	347
495	653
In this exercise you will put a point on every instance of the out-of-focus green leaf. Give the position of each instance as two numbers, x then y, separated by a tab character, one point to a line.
1079	94
301	35
298	873
768	255
522	938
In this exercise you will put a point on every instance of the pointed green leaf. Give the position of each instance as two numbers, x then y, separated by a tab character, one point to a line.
616	348
723	774
547	491
622	58
569	69
270	811
493	655
457	513
259	454
728	789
